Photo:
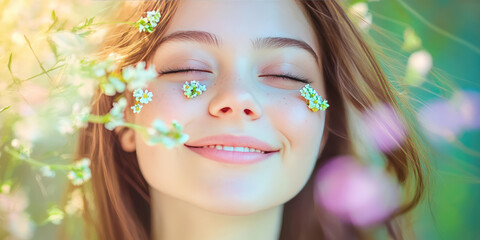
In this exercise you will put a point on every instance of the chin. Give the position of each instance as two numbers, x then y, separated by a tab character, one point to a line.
234	205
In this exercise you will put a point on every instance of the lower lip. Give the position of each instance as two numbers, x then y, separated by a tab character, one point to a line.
231	156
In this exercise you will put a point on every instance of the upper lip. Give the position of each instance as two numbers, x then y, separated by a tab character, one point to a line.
234	141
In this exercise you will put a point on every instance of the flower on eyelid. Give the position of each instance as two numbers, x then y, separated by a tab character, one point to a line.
315	102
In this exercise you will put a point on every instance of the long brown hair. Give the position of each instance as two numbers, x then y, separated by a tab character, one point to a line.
354	82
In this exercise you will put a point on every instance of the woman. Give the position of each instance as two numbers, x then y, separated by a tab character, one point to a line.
238	50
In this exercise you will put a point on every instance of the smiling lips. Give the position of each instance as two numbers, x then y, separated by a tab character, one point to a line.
232	149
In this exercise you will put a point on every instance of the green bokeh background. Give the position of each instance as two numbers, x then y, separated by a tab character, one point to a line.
456	190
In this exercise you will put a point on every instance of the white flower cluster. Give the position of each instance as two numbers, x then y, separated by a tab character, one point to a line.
47	171
149	23
115	116
193	88
80	172
141	97
315	102
55	215
138	76
160	133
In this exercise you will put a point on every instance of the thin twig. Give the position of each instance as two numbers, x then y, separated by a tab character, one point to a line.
36	57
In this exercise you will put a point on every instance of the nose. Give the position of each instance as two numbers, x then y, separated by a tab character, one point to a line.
234	100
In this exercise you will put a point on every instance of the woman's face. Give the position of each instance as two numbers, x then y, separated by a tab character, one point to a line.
242	99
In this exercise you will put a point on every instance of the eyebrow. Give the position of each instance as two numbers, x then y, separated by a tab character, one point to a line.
258	43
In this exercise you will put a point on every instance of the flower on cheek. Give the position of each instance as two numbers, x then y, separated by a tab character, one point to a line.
141	97
193	89
315	102
145	97
137	108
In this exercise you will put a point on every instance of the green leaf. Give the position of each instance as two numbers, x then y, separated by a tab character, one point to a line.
54	16
5	108
412	41
352	2
10	63
53	47
90	21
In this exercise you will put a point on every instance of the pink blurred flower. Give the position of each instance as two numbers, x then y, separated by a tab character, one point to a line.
360	195
384	127
448	118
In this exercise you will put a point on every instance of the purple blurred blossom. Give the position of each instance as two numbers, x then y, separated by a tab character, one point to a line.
448	118
360	195
384	127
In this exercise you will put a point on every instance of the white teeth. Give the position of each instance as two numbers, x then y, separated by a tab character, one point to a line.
234	149
226	148
238	149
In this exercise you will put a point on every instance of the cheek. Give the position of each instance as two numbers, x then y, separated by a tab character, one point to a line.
301	130
291	116
162	168
168	103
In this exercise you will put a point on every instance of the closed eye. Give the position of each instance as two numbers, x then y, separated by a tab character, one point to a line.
289	77
171	71
282	76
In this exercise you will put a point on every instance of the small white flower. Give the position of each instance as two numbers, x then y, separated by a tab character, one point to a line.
315	101
159	133
421	62
75	204
138	93
193	88
80	115
65	126
153	17
138	77
149	23
47	171
116	114
55	215
80	172
137	108
15	143
363	16
419	65
146	97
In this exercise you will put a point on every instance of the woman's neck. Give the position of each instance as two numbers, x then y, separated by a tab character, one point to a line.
173	218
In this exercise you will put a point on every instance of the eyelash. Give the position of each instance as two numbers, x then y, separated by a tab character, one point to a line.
284	76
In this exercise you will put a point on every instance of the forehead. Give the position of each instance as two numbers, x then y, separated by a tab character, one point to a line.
238	22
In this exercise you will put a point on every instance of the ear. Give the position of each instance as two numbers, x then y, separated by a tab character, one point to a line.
127	138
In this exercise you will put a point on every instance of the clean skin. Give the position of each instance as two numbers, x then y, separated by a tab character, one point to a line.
193	197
